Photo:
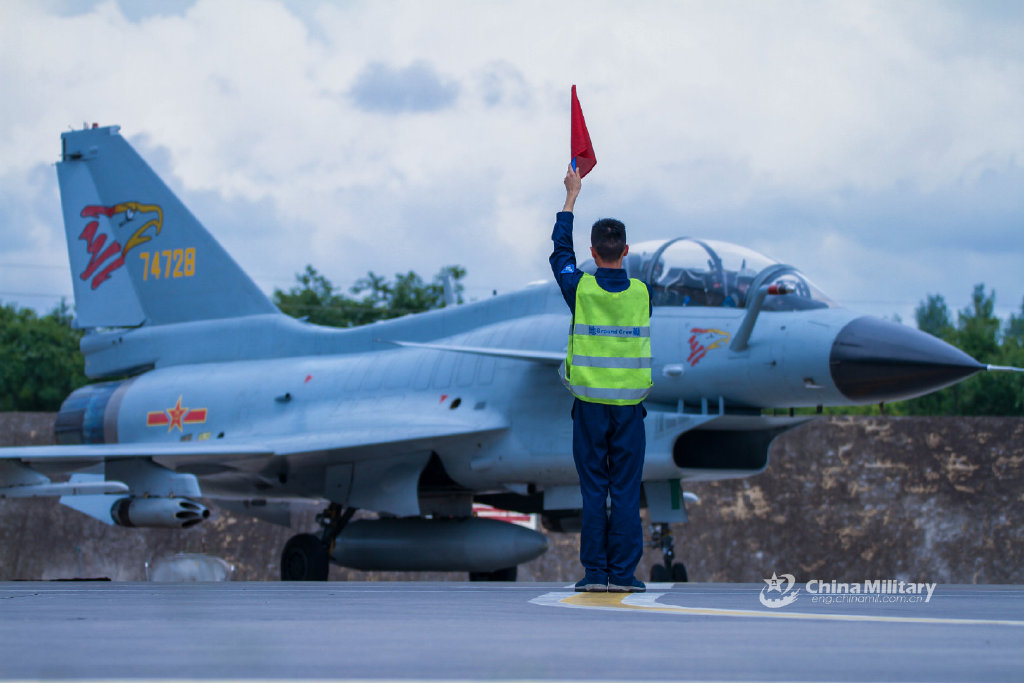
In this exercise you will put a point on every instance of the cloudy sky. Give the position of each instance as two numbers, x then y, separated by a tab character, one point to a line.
879	146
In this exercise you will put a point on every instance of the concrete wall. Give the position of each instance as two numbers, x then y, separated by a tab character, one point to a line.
936	499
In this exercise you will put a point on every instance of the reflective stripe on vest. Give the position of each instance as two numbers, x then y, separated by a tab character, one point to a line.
603	362
609	353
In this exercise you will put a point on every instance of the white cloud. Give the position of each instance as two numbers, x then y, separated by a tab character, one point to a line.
784	125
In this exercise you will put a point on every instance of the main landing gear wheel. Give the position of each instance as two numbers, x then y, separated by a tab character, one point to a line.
506	574
668	570
307	557
662	574
304	559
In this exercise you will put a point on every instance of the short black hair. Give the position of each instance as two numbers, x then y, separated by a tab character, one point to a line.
608	237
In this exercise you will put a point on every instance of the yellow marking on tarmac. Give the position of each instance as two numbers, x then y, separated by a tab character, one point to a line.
648	602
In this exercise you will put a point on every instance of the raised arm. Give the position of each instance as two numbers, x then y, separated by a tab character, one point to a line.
563	257
573	183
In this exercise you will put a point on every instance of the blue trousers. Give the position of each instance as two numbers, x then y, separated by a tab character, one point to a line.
608	444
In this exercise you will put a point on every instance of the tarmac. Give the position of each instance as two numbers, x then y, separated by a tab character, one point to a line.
511	631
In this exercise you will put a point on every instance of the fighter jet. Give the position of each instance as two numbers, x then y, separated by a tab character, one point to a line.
207	393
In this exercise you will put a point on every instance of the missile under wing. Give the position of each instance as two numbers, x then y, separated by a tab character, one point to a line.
416	418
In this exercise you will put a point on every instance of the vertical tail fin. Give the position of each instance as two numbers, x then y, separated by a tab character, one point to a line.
137	254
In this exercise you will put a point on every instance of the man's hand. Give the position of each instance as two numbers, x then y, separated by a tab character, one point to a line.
573	183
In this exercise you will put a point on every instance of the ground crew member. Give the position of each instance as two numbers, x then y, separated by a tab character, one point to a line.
608	370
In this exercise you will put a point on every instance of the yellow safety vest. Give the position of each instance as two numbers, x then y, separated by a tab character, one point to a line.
609	353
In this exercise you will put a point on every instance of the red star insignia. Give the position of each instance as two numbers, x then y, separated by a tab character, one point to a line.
176	413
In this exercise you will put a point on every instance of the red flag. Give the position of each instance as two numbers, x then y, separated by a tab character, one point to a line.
581	150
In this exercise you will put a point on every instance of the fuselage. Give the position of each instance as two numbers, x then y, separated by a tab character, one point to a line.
290	379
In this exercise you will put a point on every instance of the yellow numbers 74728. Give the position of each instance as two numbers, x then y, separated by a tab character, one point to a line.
169	263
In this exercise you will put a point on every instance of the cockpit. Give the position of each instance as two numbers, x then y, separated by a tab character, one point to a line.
693	272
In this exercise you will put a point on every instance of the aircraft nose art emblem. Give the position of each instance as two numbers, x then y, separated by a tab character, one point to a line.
147	221
176	416
703	340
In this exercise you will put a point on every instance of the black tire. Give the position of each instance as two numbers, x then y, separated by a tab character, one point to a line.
304	559
506	574
679	573
562	523
659	574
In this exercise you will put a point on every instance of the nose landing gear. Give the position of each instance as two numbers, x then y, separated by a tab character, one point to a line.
669	570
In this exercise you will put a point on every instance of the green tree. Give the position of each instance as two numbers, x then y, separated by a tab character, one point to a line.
980	334
977	332
1015	328
932	316
316	299
977	335
40	362
1011	353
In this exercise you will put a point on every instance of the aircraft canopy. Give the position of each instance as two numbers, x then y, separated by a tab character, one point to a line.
693	272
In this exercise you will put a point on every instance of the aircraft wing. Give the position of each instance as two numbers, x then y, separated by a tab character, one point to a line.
19	477
380	443
366	435
544	357
377	437
113	451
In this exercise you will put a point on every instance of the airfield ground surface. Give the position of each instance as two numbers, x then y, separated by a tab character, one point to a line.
844	498
524	631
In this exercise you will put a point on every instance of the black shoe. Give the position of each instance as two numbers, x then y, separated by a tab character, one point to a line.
634	585
591	585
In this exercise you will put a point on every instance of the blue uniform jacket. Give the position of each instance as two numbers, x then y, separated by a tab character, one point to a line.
563	264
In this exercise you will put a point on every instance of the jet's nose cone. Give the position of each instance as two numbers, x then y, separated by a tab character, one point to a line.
876	360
